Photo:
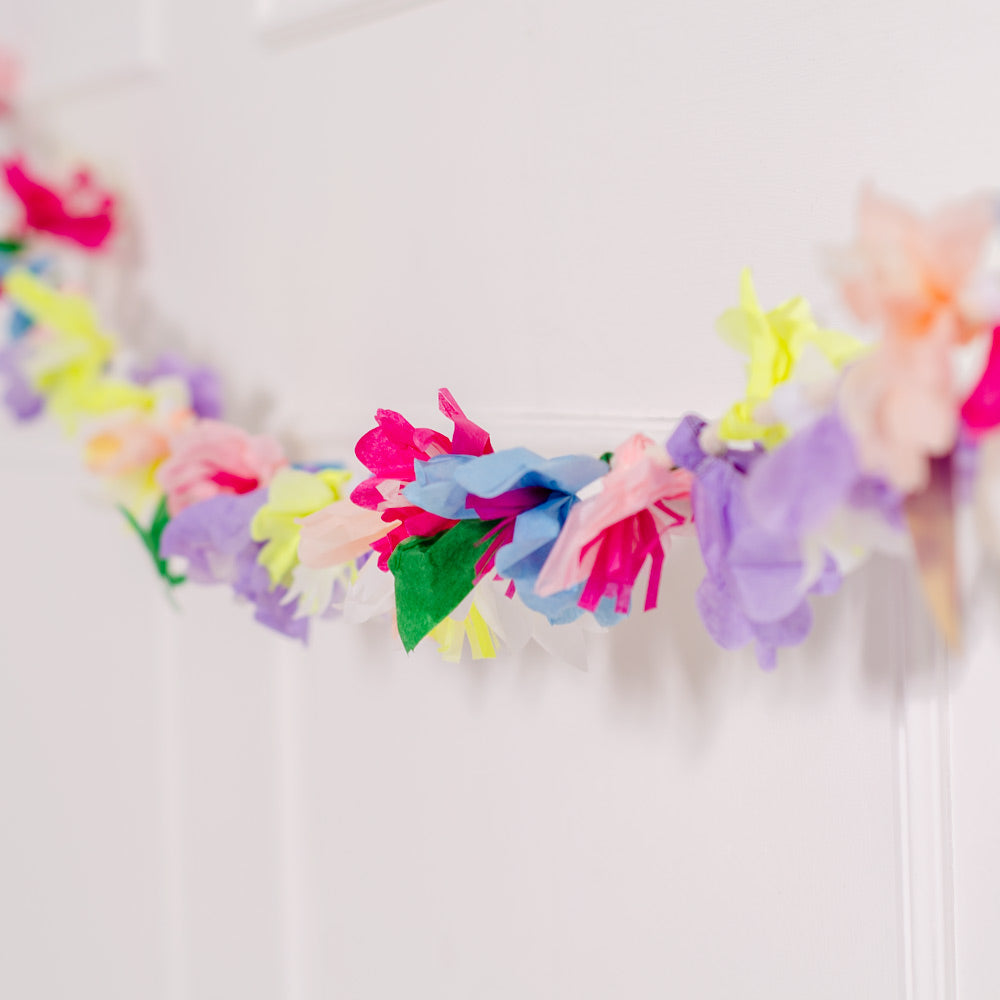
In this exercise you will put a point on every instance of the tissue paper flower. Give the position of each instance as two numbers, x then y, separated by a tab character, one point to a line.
213	537
529	498
66	355
292	494
778	344
918	277
212	458
608	538
19	322
981	410
899	405
127	451
203	383
389	450
19	397
813	492
82	213
756	581
339	533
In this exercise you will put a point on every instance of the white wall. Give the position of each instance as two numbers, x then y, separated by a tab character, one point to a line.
542	204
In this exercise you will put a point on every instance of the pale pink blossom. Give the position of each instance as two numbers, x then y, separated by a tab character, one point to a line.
212	458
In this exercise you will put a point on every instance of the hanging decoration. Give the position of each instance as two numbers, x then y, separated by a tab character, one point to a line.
839	447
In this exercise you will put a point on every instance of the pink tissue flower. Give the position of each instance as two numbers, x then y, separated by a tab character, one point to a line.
389	450
917	276
607	538
82	213
212	458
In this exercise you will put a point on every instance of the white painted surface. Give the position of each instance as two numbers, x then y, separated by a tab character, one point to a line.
542	204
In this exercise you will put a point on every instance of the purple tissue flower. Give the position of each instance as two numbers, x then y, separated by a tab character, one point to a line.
755	588
19	397
203	382
214	537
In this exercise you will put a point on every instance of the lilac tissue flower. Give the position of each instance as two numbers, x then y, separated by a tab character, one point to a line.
203	382
756	582
214	537
19	397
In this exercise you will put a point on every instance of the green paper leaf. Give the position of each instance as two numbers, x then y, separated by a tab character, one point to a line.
434	575
151	540
11	245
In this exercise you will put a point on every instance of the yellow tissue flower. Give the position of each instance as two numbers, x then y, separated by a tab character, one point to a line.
70	352
293	493
774	342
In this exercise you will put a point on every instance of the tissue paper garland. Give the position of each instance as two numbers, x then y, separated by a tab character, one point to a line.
838	448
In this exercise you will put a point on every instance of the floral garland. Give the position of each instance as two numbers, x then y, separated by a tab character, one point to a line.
839	448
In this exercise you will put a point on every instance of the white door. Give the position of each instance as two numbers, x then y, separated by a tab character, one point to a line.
543	205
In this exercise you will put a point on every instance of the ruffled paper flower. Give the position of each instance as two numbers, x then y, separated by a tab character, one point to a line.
66	354
608	538
981	410
292	494
212	458
82	213
919	277
812	491
528	499
203	383
389	450
127	451
19	397
338	534
756	581
899	405
780	345
213	538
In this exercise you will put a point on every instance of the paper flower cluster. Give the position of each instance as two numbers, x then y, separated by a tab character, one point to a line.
842	445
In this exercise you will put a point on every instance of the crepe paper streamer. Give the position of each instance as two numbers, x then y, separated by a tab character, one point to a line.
917	277
389	451
775	343
82	214
433	576
451	634
930	515
981	410
151	538
609	537
292	494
